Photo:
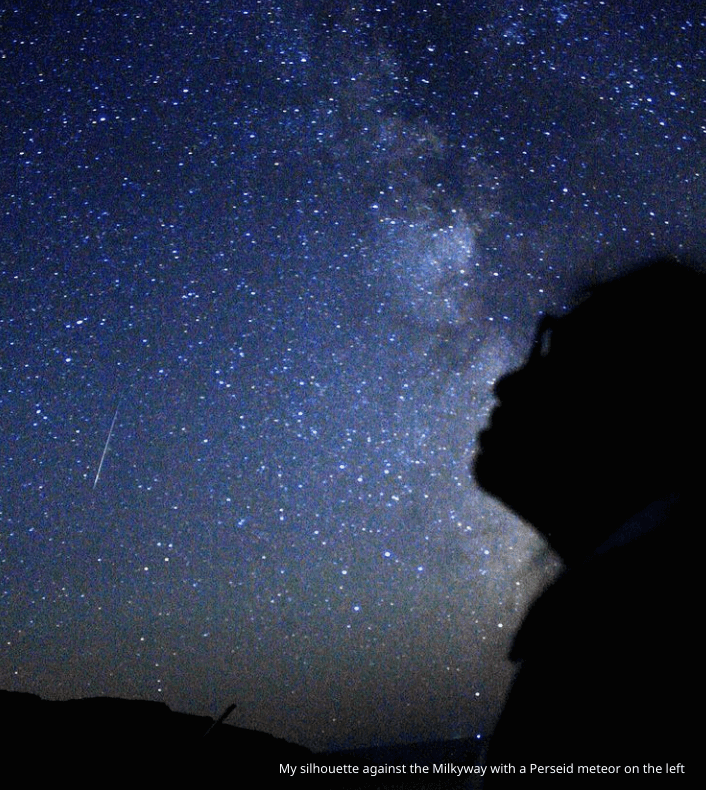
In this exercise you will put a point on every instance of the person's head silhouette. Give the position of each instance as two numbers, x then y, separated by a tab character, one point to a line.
607	415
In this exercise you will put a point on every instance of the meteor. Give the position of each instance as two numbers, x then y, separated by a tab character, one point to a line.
105	449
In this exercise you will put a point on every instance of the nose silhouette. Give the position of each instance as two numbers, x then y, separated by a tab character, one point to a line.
524	375
514	381
504	385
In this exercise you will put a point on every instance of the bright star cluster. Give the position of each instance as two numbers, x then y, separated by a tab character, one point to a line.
289	248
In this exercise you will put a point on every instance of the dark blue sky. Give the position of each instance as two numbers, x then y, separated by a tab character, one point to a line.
295	247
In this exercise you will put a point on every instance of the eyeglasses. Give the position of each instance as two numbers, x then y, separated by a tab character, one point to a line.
541	345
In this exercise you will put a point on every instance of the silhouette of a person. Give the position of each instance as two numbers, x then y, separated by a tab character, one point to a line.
598	442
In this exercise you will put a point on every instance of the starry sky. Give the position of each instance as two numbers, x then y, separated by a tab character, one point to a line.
261	264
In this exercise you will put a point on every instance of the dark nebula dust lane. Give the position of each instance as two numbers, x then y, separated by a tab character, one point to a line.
288	249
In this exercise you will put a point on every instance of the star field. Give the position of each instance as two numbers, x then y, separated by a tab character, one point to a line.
295	245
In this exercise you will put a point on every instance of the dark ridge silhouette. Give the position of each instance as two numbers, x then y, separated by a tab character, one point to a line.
97	736
138	741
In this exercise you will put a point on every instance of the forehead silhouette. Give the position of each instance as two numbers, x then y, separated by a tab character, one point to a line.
651	318
662	295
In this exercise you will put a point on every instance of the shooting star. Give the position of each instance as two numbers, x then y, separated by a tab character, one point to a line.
105	449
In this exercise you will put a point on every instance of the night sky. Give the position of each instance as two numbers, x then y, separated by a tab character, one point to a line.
261	265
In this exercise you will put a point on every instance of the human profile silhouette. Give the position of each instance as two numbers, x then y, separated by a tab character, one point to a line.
598	442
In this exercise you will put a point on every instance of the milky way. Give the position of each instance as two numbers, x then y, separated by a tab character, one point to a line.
295	246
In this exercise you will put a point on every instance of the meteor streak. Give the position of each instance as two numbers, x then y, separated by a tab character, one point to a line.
105	449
